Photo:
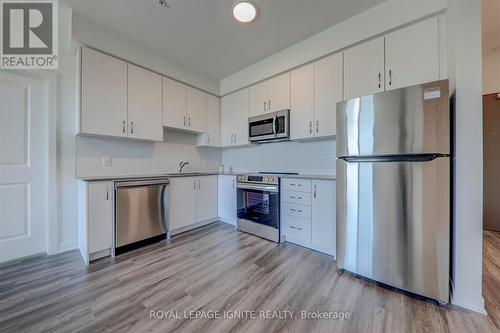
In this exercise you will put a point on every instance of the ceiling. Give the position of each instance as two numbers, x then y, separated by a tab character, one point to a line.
203	35
491	25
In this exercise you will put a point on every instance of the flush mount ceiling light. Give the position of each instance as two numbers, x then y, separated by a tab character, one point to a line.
245	11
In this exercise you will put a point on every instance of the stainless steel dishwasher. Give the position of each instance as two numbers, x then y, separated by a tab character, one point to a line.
141	212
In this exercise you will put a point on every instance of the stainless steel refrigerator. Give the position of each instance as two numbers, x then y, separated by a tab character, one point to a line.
393	188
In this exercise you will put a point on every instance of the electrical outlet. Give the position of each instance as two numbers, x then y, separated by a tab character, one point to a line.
106	162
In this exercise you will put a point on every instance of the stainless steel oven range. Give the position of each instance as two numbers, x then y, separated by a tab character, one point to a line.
258	199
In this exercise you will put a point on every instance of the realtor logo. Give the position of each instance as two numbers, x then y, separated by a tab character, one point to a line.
29	34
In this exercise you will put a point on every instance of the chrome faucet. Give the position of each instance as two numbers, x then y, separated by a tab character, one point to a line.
182	165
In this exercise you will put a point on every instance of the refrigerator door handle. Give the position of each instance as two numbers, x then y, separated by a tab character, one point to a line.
392	158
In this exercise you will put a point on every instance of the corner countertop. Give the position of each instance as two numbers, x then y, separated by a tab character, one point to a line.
190	174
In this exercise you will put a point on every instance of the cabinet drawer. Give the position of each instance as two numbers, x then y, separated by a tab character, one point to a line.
297	228
297	210
294	197
292	184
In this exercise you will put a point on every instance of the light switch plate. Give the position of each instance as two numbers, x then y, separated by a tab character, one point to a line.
106	162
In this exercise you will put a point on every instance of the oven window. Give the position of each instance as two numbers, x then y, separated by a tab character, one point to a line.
262	127
259	207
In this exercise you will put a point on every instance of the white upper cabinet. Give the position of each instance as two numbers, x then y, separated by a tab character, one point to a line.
103	94
258	99
327	93
212	136
234	119
364	69
302	102
196	110
270	95
174	103
144	104
279	93
315	90
412	55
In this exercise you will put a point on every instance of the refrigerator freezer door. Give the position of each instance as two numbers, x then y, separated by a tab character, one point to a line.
412	120
393	223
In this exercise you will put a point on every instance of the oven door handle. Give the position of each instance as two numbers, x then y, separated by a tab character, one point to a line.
265	188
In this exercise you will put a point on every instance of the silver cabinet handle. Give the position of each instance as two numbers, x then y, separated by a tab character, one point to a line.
296	210
292	197
295	228
194	184
199	184
208	138
234	183
131	127
189	121
310	127
314	191
107	193
379	80
235	137
123	127
390	77
317	126
184	120
265	105
269	105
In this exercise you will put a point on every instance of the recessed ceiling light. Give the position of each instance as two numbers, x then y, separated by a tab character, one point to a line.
244	11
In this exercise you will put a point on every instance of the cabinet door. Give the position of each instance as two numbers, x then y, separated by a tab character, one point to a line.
212	136
327	92
103	94
323	215
241	118
302	102
206	200
412	55
227	199
364	69
258	99
227	119
174	104
183	202
100	216
144	104
196	110
279	93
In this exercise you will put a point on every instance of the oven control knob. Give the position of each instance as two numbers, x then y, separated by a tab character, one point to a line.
266	179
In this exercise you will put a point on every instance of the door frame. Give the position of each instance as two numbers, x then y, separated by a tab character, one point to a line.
49	79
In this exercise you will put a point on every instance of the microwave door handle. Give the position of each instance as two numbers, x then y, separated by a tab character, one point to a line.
274	125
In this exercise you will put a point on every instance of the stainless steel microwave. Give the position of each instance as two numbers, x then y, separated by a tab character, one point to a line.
269	127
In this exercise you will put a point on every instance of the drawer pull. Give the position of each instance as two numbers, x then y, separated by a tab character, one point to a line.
292	197
296	210
295	228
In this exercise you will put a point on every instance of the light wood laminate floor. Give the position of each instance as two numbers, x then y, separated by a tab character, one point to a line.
217	268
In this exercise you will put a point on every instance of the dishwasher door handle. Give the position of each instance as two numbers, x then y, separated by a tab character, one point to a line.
142	183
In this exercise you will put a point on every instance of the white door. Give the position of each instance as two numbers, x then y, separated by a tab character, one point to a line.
302	102
183	202
412	55
241	118
206	198
144	104
23	166
327	92
227	198
364	69
174	104
100	199
279	93
212	138
196	110
258	99
104	94
323	215
227	108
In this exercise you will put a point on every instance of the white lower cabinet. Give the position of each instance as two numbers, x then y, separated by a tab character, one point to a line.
227	205
95	219
308	213
193	201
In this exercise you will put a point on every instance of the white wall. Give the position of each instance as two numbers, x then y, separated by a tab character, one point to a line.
308	157
109	41
491	71
129	157
382	18
465	70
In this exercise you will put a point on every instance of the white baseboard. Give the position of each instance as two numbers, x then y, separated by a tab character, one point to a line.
68	246
468	301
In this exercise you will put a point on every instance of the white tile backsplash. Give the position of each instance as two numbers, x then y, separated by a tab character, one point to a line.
307	157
